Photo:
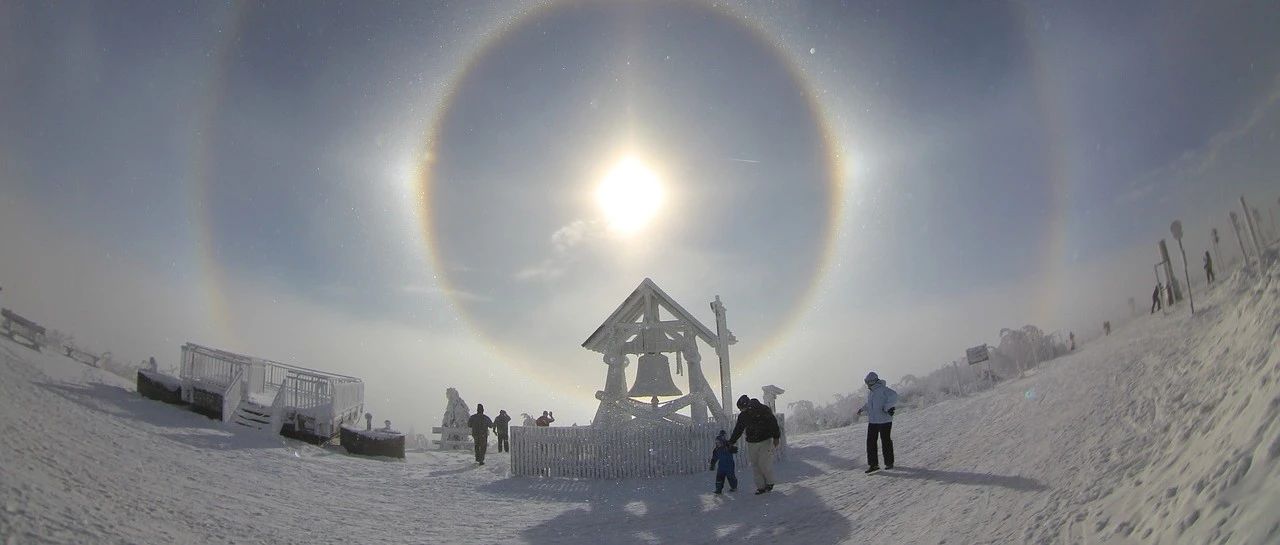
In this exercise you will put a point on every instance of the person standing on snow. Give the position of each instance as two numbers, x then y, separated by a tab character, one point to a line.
480	424
880	406
761	429
501	428
723	456
1155	299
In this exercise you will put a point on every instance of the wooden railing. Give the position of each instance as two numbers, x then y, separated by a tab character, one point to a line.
234	394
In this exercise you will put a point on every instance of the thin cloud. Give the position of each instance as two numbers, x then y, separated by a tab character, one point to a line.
563	241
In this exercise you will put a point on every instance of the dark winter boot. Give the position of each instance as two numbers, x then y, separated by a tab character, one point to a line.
872	469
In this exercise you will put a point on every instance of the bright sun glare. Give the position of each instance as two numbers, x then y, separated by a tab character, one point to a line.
629	196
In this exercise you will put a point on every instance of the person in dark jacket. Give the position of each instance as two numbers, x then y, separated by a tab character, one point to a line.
722	455
480	424
501	425
1208	267
545	420
759	425
1155	299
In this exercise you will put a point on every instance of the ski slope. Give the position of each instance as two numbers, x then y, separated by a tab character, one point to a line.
1164	432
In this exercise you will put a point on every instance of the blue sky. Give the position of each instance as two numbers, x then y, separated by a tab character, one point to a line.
238	154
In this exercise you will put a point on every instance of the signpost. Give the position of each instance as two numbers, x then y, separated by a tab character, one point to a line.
1176	229
979	354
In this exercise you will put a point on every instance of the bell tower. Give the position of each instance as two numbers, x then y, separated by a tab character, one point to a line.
650	324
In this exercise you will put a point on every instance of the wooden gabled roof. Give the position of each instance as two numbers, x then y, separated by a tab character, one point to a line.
634	306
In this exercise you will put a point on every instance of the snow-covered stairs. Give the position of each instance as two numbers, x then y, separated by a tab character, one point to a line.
252	415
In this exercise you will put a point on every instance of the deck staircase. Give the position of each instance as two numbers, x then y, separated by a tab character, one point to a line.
253	415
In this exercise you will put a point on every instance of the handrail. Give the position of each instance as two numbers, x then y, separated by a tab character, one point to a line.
241	358
233	395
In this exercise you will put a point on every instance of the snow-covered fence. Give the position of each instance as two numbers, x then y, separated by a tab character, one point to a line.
591	452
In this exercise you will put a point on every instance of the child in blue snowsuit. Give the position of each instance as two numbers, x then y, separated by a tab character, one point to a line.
722	455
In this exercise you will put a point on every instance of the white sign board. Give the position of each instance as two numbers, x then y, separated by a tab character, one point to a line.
977	354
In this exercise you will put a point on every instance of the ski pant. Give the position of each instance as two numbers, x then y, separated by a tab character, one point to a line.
1208	273
880	431
726	472
761	457
504	444
1155	304
482	445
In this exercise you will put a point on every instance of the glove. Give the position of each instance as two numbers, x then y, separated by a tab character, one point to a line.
891	409
713	467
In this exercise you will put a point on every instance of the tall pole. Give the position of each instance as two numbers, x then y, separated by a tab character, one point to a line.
724	338
1217	256
1253	230
1235	224
1176	228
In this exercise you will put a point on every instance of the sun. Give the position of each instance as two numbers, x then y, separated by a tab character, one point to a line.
630	196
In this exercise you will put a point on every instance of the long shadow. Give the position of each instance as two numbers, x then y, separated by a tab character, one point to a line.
128	404
681	509
206	433
811	461
1025	484
246	440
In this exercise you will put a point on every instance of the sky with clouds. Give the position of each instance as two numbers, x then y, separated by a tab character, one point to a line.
406	192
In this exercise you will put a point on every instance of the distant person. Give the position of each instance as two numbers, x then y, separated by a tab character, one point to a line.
1072	336
546	419
761	429
722	455
881	403
501	426
1208	266
1106	327
1155	299
480	424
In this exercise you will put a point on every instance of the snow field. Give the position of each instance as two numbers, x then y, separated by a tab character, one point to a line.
1164	432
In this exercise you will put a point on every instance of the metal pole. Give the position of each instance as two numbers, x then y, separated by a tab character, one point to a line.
1235	224
1187	275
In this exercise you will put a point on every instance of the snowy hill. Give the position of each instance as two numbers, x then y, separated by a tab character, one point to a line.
1164	432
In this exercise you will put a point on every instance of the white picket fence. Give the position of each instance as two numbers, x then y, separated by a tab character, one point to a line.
588	452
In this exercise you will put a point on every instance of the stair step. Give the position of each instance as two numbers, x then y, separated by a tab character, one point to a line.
254	420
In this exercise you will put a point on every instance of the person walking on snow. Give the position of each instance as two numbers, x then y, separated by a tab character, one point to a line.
501	426
722	455
480	424
761	429
1208	266
1155	299
880	406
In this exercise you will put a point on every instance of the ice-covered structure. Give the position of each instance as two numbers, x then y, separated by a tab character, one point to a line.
635	432
293	401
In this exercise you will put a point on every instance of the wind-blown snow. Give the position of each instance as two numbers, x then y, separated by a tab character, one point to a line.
1167	431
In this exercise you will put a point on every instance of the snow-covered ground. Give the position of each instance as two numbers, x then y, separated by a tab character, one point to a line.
1165	432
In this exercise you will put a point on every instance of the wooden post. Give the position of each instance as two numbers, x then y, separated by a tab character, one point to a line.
723	337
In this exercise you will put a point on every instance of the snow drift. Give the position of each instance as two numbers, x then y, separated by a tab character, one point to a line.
1167	431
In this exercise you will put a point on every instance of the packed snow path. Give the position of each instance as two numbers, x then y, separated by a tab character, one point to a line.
1166	431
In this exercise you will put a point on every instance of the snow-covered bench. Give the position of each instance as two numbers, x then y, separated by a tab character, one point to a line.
17	326
80	355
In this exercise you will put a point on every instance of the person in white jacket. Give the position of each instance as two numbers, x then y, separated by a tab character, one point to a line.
880	406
